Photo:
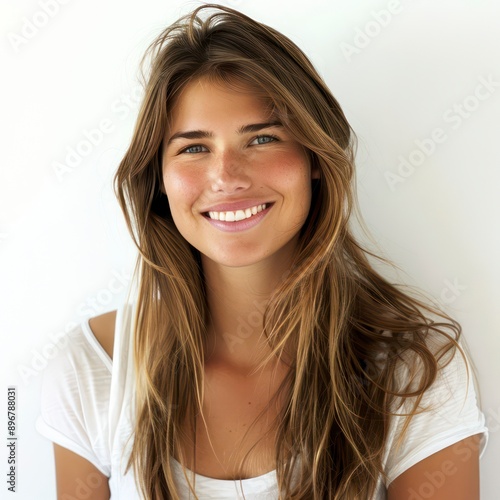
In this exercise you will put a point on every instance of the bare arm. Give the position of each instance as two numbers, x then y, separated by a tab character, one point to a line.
449	474
76	477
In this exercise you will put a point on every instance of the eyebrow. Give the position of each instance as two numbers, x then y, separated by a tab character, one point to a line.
204	134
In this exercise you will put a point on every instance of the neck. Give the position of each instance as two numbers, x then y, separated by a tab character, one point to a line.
237	299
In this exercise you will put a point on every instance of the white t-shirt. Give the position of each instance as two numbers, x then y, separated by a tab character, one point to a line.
87	407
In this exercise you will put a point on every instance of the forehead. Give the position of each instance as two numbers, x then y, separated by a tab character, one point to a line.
208	101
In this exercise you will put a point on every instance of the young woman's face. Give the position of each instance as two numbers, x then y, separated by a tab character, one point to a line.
238	185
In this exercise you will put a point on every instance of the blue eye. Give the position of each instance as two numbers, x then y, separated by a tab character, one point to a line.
265	139
194	149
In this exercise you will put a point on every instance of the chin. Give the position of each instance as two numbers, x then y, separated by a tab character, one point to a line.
232	261
271	258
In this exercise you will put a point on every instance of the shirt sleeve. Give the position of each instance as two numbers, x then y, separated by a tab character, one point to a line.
75	399
447	414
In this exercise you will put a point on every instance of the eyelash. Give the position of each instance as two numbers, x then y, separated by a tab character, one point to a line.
184	150
273	137
257	137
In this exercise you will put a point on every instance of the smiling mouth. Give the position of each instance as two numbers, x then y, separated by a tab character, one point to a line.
237	215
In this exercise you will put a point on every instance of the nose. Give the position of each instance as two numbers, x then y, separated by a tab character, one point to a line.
229	173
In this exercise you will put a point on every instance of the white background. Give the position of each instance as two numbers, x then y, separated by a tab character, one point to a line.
64	250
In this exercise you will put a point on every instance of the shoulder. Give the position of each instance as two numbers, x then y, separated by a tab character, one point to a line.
447	414
103	328
83	361
75	398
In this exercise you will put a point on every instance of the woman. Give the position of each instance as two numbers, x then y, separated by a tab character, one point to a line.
263	357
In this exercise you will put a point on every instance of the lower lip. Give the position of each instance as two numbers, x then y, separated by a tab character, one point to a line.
241	225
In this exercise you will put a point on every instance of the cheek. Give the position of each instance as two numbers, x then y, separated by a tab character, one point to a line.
292	175
288	167
181	187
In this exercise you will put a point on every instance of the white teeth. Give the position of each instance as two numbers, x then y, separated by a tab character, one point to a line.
238	215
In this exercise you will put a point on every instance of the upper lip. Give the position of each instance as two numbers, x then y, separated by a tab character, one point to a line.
235	205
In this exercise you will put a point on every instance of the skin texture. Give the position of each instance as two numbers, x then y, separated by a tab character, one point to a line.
450	474
77	477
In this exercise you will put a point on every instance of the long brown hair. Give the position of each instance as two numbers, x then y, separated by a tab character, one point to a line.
346	330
